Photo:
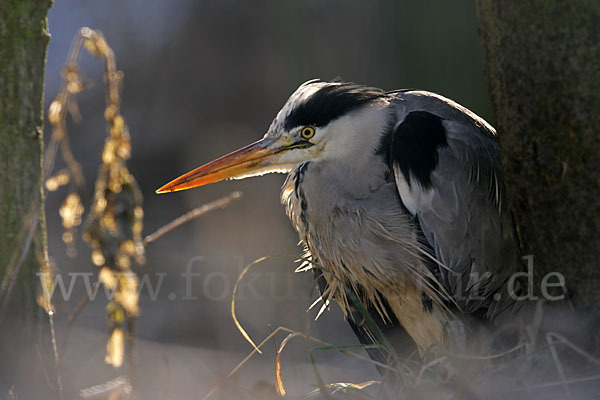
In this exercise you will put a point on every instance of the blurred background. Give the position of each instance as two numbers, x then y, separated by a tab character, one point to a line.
203	78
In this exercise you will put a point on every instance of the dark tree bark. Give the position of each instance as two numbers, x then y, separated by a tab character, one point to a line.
23	42
542	62
24	340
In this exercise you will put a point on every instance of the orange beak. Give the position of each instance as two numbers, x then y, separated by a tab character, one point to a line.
239	163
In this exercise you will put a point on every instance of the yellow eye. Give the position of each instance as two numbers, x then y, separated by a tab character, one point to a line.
307	132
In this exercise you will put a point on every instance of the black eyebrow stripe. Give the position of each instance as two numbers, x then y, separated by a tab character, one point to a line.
330	103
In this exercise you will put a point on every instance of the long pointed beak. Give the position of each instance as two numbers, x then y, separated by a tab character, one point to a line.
241	162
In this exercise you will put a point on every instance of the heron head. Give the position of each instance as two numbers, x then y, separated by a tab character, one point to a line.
320	121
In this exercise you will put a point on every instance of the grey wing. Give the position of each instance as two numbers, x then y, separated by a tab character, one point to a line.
448	172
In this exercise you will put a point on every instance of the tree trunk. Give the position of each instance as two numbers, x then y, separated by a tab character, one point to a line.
23	43
542	62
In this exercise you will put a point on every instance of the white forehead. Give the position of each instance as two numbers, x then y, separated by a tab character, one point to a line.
302	94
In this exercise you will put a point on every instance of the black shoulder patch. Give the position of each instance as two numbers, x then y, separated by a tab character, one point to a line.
330	103
415	145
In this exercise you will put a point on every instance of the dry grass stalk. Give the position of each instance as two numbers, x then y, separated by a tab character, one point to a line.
233	314
299	334
433	376
278	378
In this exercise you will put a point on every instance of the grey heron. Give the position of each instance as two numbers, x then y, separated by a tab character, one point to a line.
398	196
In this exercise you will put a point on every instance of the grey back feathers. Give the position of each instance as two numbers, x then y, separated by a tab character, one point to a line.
460	206
422	219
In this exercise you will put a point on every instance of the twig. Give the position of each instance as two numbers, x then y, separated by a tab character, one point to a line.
312	339
55	352
274	338
491	356
569	381
574	347
559	368
72	317
43	365
195	213
167	384
427	366
321	385
12	272
50	313
74	167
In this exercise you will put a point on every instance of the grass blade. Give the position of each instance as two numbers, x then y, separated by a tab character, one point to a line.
278	379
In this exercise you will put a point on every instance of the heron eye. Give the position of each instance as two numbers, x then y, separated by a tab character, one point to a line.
307	132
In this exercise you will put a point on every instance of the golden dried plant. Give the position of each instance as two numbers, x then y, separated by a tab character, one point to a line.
114	222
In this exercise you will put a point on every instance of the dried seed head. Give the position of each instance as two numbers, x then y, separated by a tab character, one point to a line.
114	225
110	112
90	46
54	112
108	154
98	258
115	348
107	277
58	180
128	247
67	237
71	211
